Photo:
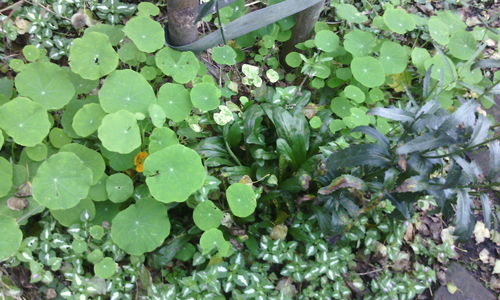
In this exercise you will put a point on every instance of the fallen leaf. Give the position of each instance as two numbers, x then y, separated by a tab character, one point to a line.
496	269
481	233
484	256
452	288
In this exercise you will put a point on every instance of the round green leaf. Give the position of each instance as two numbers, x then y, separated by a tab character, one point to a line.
98	191
114	32
82	86
105	212
368	71
341	107
1	139
128	90
38	152
419	56
207	216
214	239
68	217
157	115
358	117
11	237
58	137
462	45
119	187
105	268
92	56
70	111
439	30
293	59
161	138
148	9
149	73
326	40
443	68
336	125
119	132
175	101
354	93
31	52
61	181
205	96
87	119
120	162
91	158
174	173
398	20
25	121
349	13
45	83
393	57
6	173
359	43
147	34
241	199
224	55
181	66
140	228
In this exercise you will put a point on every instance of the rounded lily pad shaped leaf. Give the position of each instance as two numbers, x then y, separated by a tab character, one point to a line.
114	32
175	101
440	32
393	57
91	158
141	228
147	34
45	83
398	20
207	216
128	90
11	237
174	173
205	96
105	268
349	13
119	132
87	119
224	55
462	45
368	71
119	187
355	93
61	181
157	115
214	239
241	199
326	40
92	56
161	138
6	174
27	122
181	66
68	217
359	43
341	106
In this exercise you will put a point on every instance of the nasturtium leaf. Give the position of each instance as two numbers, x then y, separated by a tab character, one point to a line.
128	90
181	66
462	45
341	107
91	158
326	40
6	174
119	132
107	267
69	113
175	101
241	199
376	95
129	53
205	96
161	138
398	20
214	239
148	9
315	122
149	73
358	117
393	57
442	68
38	152
92	56
87	119
147	34
174	173
224	55
27	122
70	216
98	191
45	83
355	93
11	237
119	187
157	115
419	56
368	71
349	13
293	59
58	137
114	32
359	43
61	181
207	216
336	125
1	139
439	30
120	162
452	20
31	52
82	86
142	227
105	212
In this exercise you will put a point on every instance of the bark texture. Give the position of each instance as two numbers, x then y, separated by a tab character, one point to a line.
181	14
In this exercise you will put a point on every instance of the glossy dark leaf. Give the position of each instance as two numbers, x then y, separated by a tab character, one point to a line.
373	133
374	155
402	205
481	130
412	184
344	181
215	152
252	125
494	159
424	143
392	113
465	114
427	82
486	204
471	169
205	10
487	63
165	254
464	215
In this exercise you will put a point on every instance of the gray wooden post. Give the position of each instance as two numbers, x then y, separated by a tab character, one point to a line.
181	26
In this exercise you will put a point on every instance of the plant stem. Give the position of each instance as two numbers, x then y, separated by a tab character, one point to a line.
220	22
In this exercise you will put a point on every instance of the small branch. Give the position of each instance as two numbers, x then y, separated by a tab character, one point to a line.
18	3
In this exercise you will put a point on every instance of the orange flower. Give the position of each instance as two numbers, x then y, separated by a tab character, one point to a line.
139	161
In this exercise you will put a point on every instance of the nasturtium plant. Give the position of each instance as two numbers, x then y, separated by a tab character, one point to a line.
438	30
359	43
174	173
157	115
70	216
98	191
462	45
11	237
224	55
419	56
45	83
207	216
349	13
148	9
128	90
119	187
175	101
119	132
293	59
91	158
213	239
6	173
27	122
242	199
326	40
341	106
31	53
398	20
38	152
61	181
141	228
161	138
205	96
368	71
2	139
393	57
82	85
443	68
58	137
114	32
147	34
88	119
106	268
92	56
354	93
181	66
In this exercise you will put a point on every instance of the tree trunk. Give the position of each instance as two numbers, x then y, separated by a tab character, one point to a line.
304	26
181	14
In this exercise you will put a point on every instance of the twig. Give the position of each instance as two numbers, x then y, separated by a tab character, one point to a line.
18	3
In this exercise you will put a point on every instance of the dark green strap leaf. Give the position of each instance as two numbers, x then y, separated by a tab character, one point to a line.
392	113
